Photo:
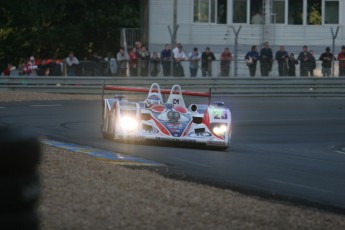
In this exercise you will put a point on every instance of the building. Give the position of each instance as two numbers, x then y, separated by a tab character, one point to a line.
202	23
213	23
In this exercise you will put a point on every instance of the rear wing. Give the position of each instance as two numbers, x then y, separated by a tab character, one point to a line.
147	90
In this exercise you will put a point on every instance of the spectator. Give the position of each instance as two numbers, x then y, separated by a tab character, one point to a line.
341	59
144	61
179	57
111	67
31	67
266	58
194	59
225	61
166	54
282	58
133	62
327	58
138	45
72	63
304	58
251	59
7	71
206	62
312	63
22	69
292	62
95	64
122	59
155	64
55	68
43	68
176	49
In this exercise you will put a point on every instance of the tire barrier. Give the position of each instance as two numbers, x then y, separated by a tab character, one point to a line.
20	153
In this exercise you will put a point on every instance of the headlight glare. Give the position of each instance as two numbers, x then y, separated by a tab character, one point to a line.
128	123
219	129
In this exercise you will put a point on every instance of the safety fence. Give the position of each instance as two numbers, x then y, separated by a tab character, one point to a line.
150	68
235	86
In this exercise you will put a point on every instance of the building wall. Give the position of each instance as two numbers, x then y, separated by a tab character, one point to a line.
217	36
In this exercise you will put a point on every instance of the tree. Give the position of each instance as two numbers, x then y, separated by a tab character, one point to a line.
49	29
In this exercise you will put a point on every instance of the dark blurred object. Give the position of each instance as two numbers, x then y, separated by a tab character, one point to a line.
20	153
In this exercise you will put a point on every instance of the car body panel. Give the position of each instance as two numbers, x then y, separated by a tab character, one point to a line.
152	119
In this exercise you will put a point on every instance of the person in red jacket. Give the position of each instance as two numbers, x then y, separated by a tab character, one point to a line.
341	59
225	62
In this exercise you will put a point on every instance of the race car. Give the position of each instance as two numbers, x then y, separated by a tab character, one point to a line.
154	119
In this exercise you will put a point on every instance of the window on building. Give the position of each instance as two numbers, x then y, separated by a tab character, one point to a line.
256	12
314	13
331	12
210	11
239	11
278	10
222	11
295	12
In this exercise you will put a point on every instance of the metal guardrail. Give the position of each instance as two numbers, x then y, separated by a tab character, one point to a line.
235	86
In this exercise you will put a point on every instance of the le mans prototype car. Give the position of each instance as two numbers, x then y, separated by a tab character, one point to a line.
154	119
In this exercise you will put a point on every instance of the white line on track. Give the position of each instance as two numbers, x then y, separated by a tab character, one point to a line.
1	107
299	185
51	105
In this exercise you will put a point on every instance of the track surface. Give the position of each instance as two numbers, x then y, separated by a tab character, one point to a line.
290	147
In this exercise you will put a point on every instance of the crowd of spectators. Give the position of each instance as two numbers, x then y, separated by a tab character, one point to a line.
171	62
287	62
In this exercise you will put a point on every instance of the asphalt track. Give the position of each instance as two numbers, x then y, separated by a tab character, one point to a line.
292	148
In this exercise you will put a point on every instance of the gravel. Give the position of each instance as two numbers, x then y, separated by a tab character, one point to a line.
81	192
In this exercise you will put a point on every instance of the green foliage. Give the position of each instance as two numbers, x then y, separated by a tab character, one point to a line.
50	29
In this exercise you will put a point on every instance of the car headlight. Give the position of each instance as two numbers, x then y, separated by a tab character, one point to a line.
219	129
129	123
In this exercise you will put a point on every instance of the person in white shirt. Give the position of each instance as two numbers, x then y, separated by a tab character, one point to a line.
111	68
179	56
72	63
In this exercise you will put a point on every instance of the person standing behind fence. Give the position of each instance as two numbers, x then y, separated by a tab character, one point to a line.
155	64
133	62
194	59
312	63
251	60
327	58
179	57
111	67
122	59
72	63
266	58
166	54
341	59
282	58
7	71
304	58
292	62
144	61
206	62
225	62
31	67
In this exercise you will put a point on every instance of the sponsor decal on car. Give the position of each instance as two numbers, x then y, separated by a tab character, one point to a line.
216	142
220	114
176	139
